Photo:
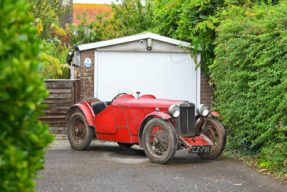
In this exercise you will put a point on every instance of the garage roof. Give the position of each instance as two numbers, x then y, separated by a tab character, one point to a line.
129	39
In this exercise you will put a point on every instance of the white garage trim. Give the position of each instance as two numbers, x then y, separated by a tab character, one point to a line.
130	39
198	73
96	75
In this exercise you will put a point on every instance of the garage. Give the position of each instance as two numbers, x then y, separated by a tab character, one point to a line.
146	62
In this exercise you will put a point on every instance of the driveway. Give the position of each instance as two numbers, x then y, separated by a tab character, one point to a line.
107	167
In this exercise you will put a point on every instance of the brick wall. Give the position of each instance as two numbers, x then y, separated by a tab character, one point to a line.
87	86
205	90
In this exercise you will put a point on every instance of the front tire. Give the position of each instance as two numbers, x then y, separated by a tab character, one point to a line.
159	141
80	134
216	133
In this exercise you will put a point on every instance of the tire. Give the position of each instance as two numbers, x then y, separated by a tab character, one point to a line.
159	141
80	134
216	133
125	145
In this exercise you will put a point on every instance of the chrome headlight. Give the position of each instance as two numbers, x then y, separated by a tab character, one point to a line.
174	111
202	110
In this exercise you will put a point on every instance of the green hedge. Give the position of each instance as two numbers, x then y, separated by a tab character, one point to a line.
250	74
22	136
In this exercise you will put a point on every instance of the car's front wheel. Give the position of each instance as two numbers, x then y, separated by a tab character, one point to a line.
215	133
159	141
80	134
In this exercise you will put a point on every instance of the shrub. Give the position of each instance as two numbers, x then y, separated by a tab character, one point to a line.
51	67
22	136
251	85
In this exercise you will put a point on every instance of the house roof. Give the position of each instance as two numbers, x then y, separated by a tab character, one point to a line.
129	39
90	9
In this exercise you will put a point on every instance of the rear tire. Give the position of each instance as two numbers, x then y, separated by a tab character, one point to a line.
80	134
216	133
159	141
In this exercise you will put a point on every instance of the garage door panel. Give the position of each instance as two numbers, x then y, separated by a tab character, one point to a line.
165	75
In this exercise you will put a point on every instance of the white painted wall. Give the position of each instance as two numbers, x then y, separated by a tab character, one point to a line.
165	75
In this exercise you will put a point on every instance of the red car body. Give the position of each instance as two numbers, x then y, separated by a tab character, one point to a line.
125	119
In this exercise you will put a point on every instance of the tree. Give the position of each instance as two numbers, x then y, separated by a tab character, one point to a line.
128	18
195	22
47	14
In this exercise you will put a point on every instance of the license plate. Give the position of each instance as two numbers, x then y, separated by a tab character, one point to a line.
200	149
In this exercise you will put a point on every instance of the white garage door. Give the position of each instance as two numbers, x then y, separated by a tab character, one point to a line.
164	75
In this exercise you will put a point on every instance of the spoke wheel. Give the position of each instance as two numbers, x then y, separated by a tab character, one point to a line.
78	131
80	134
215	133
159	140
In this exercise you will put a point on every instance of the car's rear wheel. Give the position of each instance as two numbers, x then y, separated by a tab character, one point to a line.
159	141
215	133
80	134
125	145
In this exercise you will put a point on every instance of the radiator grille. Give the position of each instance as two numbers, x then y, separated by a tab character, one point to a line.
185	122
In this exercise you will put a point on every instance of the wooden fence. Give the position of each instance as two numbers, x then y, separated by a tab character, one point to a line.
63	94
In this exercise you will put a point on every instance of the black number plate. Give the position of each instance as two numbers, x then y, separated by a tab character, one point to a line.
200	149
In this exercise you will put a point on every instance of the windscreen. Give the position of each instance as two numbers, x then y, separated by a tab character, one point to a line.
125	90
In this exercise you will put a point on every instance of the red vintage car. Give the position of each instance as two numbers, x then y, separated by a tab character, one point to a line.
159	126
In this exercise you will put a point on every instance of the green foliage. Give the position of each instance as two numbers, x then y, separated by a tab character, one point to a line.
22	136
250	77
128	18
131	17
194	21
59	54
48	11
190	21
81	33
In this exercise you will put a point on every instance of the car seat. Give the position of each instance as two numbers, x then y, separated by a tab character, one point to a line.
99	106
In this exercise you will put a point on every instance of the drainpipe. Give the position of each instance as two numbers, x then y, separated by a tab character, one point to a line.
69	61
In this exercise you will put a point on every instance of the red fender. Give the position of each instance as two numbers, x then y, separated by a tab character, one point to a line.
86	109
214	114
159	114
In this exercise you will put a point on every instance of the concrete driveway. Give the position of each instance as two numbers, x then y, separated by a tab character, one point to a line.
107	167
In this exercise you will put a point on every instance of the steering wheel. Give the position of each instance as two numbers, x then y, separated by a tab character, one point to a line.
118	96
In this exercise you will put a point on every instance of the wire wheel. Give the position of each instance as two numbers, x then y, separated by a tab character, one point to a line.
80	134
215	133
159	140
78	131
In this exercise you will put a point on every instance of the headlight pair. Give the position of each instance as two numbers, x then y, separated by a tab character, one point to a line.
174	111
